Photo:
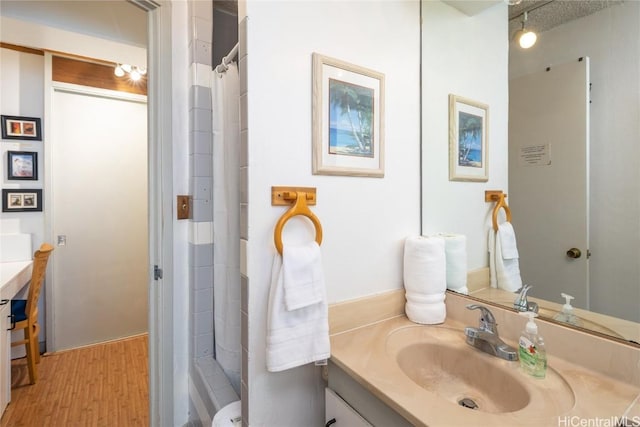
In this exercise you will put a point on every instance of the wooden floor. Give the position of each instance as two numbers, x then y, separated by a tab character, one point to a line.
101	385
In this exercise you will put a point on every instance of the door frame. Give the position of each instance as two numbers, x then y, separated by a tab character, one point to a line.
160	134
162	402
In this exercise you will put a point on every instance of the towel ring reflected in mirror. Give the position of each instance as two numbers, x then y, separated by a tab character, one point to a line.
299	208
500	204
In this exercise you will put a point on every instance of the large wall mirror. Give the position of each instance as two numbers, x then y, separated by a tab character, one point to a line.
603	37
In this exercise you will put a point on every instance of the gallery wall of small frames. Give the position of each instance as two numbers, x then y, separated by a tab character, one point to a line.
21	163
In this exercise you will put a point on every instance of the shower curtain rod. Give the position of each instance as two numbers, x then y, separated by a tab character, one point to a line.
223	66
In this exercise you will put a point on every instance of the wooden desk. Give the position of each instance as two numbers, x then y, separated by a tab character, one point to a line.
13	277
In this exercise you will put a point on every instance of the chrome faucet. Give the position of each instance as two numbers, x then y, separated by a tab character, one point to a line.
485	336
521	303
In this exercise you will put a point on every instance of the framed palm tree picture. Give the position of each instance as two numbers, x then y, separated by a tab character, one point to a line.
468	140
348	119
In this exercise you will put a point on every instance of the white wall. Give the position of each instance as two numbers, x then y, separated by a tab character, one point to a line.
38	36
365	220
179	159
465	56
611	39
22	84
22	94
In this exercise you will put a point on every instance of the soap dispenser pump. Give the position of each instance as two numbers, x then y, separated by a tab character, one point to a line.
533	357
567	315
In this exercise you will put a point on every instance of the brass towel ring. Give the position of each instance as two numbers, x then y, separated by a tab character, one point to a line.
299	208
500	204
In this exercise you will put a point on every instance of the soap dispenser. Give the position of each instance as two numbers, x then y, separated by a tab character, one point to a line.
533	357
567	315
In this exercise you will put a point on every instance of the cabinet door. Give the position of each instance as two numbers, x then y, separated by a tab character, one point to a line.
343	414
5	355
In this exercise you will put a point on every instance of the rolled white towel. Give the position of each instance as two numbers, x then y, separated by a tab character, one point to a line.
456	257
425	299
426	314
425	279
425	268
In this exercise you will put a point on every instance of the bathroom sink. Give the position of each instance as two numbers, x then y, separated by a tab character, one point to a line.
439	360
457	374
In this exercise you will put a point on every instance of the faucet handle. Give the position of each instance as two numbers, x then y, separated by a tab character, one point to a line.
487	321
523	290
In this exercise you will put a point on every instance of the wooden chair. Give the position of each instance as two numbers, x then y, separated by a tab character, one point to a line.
24	313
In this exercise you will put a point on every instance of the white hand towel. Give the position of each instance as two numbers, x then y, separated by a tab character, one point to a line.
425	279
303	275
505	273
508	241
296	337
491	243
455	246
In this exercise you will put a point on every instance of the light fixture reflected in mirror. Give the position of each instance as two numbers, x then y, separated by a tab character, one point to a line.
512	2
526	38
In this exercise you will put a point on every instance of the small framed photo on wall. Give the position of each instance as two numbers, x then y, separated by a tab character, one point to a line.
21	200
17	127
22	165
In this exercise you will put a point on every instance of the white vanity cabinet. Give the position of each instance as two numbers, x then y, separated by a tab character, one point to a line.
339	414
353	396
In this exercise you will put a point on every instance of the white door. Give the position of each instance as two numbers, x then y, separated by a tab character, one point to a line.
99	216
549	179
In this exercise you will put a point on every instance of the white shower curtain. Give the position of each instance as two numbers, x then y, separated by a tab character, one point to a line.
226	221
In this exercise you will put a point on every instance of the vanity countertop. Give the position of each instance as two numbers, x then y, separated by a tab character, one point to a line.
364	353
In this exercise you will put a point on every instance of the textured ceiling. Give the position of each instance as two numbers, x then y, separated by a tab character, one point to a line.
545	14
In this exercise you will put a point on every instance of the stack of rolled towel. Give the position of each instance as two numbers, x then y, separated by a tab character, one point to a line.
431	265
455	246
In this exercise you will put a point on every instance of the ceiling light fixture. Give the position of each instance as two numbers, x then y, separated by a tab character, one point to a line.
526	38
512	2
119	72
135	73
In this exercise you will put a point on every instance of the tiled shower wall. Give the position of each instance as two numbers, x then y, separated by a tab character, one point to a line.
201	178
201	188
244	218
